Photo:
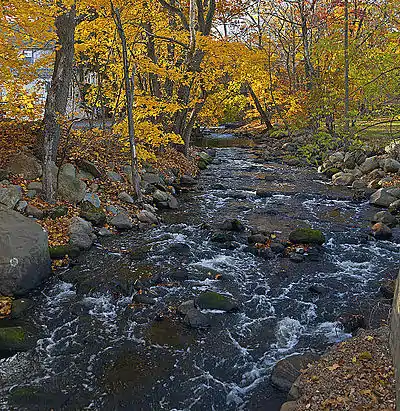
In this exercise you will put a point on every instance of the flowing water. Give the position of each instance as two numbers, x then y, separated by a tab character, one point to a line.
99	352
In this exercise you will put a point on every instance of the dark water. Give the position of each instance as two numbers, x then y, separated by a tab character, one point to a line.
99	353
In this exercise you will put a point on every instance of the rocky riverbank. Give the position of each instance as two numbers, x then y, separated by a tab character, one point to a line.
233	282
94	203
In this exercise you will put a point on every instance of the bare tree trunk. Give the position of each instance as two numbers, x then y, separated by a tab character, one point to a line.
265	117
346	66
129	94
57	97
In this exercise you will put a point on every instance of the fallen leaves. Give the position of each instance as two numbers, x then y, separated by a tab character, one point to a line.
356	375
5	307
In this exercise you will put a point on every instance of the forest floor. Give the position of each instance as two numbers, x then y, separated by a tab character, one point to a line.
355	375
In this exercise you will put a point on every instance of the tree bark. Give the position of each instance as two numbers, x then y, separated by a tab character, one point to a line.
57	97
129	95
346	67
265	117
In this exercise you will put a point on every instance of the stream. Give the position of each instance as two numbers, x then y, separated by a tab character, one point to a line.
98	352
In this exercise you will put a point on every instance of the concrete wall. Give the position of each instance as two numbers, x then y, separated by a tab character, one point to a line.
395	339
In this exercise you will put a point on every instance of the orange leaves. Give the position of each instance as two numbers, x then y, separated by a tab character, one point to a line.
5	307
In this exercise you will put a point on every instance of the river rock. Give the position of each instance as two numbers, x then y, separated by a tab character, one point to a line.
376	174
196	319
187	180
185	307
381	231
70	187
331	171
359	185
24	253
4	174
93	214
257	238
206	157
382	198
343	179
57	212
36	186
60	251
81	233
125	197
232	225
19	308
89	167
105	232
179	249
352	322
34	212
113	176
93	198
122	221
289	406
336	158
387	289
211	300
21	206
26	165
386	218
286	371
370	164
14	339
277	248
151	178
264	193
394	207
10	195
160	196
391	166
147	217
307	236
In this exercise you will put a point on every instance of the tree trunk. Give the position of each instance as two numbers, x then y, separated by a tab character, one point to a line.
57	97
265	117
346	66
129	94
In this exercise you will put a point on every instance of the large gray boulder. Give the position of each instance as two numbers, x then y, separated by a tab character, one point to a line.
343	179
81	233
24	253
70	187
370	164
286	371
391	166
382	198
26	165
10	195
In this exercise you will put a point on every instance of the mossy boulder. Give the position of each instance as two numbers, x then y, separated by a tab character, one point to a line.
202	165
95	215
57	212
307	236
13	339
330	172
205	157
60	251
211	300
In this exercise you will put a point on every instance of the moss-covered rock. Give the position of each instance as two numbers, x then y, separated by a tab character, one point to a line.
95	215
211	300
206	157
60	251
202	165
330	172
307	236
13	339
56	212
